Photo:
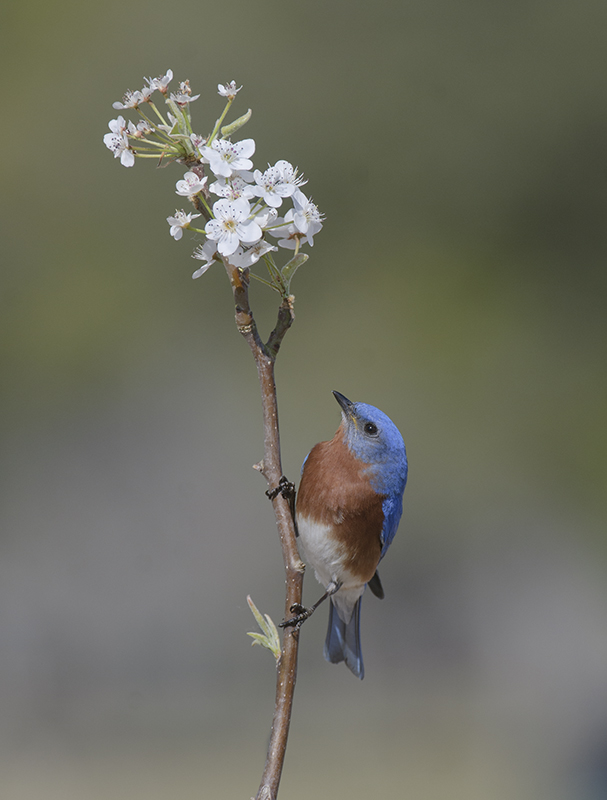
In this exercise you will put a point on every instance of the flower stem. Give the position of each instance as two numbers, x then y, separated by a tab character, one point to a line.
219	121
264	281
158	114
145	154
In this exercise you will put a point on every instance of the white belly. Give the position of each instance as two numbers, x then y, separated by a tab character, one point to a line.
326	555
320	550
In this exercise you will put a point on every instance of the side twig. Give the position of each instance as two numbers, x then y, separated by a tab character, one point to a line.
271	468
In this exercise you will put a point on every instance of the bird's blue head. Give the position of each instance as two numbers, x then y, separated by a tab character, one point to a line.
374	439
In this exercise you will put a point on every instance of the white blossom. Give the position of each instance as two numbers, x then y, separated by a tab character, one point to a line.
206	252
197	140
143	128
289	173
117	141
228	90
180	221
286	233
306	216
246	258
130	100
184	95
162	82
266	217
271	187
232	225
190	185
233	188
225	157
302	222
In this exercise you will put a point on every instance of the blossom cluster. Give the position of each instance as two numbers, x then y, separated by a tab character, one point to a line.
246	211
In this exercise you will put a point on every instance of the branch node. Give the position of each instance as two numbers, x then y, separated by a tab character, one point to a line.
246	329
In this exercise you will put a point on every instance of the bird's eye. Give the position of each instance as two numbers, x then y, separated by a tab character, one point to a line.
371	428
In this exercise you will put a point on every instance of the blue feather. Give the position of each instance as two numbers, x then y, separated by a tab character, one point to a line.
393	509
343	640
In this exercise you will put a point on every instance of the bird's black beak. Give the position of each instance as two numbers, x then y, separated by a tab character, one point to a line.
346	405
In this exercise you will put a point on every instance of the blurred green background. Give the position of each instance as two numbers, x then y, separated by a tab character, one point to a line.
459	153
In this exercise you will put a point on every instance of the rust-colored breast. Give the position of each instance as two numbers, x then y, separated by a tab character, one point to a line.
334	491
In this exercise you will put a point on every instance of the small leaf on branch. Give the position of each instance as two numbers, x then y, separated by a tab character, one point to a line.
291	267
228	130
269	637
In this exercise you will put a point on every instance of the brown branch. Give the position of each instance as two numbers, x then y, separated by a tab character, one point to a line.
286	316
271	468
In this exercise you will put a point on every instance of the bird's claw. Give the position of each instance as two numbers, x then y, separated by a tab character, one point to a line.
285	488
301	615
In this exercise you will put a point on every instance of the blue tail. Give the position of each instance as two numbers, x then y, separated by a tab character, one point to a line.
343	640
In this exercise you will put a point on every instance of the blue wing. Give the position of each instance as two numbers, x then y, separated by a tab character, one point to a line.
393	509
304	464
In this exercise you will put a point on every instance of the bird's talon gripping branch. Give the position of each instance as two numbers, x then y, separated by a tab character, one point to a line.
285	488
301	615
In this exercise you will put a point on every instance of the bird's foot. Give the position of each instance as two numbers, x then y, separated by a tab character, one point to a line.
301	615
285	488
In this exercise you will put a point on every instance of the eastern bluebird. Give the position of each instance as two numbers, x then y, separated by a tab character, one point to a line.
349	504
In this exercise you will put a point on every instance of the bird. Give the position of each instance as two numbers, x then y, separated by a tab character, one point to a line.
348	507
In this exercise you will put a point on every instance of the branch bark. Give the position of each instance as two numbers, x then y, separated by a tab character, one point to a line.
271	468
